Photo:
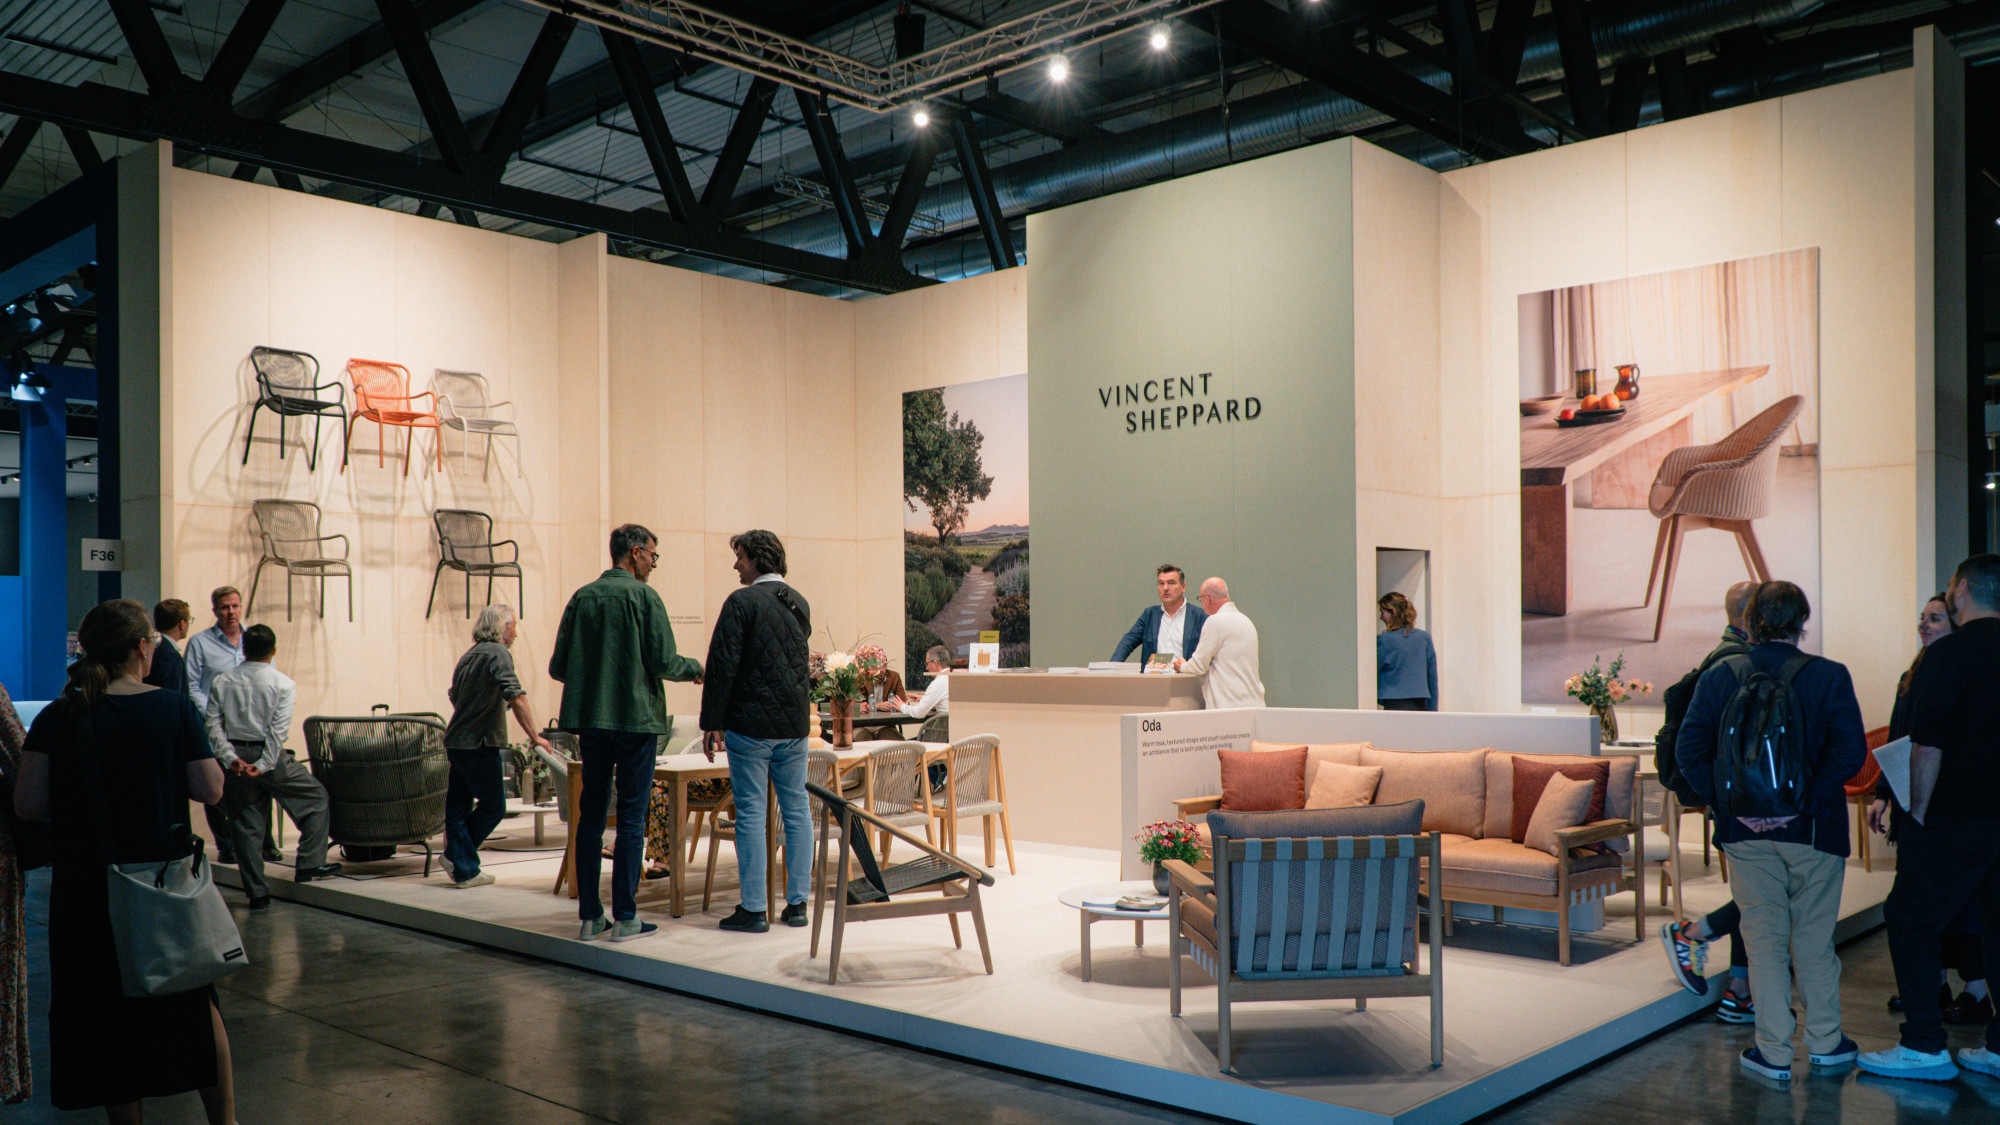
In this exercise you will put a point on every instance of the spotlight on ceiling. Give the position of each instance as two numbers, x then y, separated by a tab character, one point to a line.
28	384
921	118
1059	69
1159	37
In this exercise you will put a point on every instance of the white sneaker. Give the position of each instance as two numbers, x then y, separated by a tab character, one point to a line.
1980	1059
1901	1062
480	880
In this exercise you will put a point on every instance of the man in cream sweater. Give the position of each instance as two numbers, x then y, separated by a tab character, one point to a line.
1226	658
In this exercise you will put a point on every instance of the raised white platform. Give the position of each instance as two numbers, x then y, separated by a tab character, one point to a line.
1514	1019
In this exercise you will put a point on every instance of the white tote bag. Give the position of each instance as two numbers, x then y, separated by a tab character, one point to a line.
171	927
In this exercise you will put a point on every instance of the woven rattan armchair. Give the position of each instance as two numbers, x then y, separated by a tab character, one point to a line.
385	777
466	544
975	787
288	385
289	531
898	790
882	892
1290	916
465	404
1725	486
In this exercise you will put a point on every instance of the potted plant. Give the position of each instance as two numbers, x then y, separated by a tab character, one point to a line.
1600	689
1164	840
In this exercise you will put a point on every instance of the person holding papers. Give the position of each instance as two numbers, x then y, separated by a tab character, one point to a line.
1173	627
1226	658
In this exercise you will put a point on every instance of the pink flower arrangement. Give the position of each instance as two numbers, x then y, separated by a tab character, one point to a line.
1169	839
1598	687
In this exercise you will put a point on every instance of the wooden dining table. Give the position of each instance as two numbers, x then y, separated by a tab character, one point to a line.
1620	457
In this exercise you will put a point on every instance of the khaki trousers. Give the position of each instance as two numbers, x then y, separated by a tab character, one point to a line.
1790	898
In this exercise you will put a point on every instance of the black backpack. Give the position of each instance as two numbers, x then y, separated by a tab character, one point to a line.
1675	700
1762	766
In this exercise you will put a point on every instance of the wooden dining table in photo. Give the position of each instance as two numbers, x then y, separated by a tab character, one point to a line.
1620	457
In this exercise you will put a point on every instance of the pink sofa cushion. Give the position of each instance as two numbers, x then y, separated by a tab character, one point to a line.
1343	753
1451	783
1266	782
1336	786
1565	803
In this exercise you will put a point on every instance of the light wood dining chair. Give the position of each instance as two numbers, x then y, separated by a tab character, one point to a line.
975	787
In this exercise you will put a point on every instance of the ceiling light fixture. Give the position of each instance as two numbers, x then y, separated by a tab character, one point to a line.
921	118
1159	37
1059	69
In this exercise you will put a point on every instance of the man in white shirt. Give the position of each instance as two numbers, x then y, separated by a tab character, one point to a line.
249	714
1227	655
210	653
937	697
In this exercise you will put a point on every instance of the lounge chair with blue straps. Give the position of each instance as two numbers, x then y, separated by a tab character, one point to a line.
1311	904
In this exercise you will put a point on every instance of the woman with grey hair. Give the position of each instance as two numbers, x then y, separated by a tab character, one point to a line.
484	687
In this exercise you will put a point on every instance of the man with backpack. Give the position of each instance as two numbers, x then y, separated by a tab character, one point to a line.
1769	739
1948	849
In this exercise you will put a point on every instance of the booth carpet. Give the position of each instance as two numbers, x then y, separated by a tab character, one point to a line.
1514	1019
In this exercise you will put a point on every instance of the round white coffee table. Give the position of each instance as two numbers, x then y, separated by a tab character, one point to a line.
1093	903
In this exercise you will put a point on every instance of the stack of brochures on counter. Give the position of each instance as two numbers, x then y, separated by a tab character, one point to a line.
1114	666
1137	904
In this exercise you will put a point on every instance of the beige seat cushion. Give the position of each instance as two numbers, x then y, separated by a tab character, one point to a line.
1451	783
1345	753
1510	868
1336	786
1564	803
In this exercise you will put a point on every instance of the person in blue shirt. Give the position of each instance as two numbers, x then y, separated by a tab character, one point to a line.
1172	627
1406	663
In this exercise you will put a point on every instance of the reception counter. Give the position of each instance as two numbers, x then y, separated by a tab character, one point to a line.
1060	743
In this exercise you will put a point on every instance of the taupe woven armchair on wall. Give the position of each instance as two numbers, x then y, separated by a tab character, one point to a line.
466	544
465	404
1725	486
385	778
289	533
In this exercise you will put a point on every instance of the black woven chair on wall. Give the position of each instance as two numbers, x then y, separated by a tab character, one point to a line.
385	777
466	544
288	385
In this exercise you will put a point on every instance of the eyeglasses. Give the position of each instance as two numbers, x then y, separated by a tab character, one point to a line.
156	638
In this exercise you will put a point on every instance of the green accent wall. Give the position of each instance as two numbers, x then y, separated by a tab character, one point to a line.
1244	274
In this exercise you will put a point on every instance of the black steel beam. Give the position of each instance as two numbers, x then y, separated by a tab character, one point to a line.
420	67
504	127
833	169
364	51
1046	120
1506	41
1678	98
1485	118
985	205
201	127
16	146
240	49
1459	22
644	102
246	171
465	218
1628	94
1581	82
82	147
1326	58
910	188
735	154
288	180
148	45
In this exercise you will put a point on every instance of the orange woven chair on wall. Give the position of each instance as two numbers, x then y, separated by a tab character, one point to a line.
382	396
1861	793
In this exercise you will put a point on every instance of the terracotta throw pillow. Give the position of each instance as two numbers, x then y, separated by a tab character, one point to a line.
1336	786
1530	778
1565	803
1266	782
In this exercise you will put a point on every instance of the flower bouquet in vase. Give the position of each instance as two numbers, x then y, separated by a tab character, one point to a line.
1164	840
1600	689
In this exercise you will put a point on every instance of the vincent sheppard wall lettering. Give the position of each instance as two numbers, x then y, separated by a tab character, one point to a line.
1168	404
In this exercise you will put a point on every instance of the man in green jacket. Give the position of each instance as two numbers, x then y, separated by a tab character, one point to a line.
613	649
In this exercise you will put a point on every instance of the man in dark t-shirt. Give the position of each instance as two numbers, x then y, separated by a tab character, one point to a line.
484	688
1948	852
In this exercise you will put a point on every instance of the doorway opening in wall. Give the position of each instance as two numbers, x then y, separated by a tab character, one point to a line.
1404	571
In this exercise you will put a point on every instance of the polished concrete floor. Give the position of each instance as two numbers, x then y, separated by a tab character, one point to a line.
346	1021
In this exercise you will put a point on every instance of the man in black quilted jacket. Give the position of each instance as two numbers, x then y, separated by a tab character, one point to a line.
755	699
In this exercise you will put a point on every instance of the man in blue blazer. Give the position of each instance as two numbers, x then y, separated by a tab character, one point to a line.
1173	617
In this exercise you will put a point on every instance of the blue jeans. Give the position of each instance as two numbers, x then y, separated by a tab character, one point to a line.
782	763
628	755
475	776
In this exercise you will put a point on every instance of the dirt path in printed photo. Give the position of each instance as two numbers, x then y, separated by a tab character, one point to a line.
969	611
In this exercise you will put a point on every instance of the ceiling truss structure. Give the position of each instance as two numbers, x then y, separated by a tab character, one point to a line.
1446	82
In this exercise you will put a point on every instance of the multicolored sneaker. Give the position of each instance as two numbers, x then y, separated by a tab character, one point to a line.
1689	958
1736	1008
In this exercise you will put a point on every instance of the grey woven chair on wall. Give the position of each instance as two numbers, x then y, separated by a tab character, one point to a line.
465	404
288	385
466	544
385	777
289	531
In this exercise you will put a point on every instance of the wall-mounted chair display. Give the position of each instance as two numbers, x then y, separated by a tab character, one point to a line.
288	385
466	544
1725	486
465	404
382	396
289	532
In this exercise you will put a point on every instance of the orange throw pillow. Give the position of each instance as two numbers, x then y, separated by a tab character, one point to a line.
1530	778
1263	782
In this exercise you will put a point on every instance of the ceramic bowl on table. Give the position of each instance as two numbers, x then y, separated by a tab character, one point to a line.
1547	404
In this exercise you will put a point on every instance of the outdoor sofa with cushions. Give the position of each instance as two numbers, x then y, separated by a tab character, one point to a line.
1469	799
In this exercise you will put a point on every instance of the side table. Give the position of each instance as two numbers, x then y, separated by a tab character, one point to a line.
1094	903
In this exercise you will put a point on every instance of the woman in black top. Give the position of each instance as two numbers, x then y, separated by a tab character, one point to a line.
116	750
